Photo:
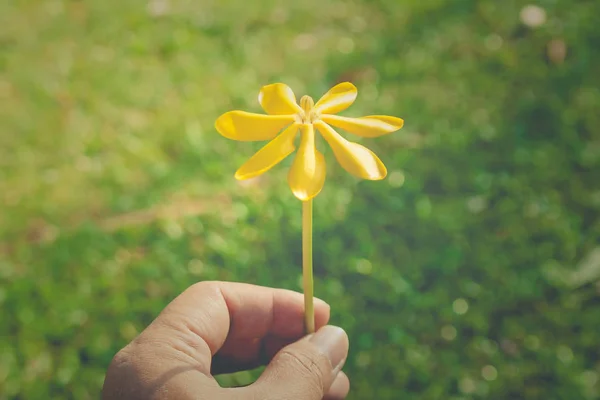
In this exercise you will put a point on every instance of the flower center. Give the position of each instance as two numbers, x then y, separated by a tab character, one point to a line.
309	114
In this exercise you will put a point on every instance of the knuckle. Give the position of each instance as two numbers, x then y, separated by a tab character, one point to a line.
118	371
212	290
122	357
203	287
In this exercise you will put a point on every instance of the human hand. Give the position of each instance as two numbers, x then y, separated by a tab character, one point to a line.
222	327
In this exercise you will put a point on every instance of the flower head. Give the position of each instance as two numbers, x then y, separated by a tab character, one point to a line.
285	118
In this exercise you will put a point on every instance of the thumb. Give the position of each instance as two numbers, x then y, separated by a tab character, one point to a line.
305	369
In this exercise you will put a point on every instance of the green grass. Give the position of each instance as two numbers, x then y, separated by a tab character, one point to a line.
471	272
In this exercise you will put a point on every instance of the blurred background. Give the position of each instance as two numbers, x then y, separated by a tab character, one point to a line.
471	272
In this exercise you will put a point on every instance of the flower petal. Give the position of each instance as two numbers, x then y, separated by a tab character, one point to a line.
278	99
270	155
307	175
338	98
356	159
371	126
245	126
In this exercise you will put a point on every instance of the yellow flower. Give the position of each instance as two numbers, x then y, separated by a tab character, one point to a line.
307	174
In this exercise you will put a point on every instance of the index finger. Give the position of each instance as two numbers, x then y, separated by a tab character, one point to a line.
208	313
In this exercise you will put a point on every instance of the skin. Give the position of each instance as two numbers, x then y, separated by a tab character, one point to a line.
223	327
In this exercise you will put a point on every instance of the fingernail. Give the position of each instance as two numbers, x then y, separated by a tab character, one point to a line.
333	342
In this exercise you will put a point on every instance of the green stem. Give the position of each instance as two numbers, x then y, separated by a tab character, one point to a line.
307	267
